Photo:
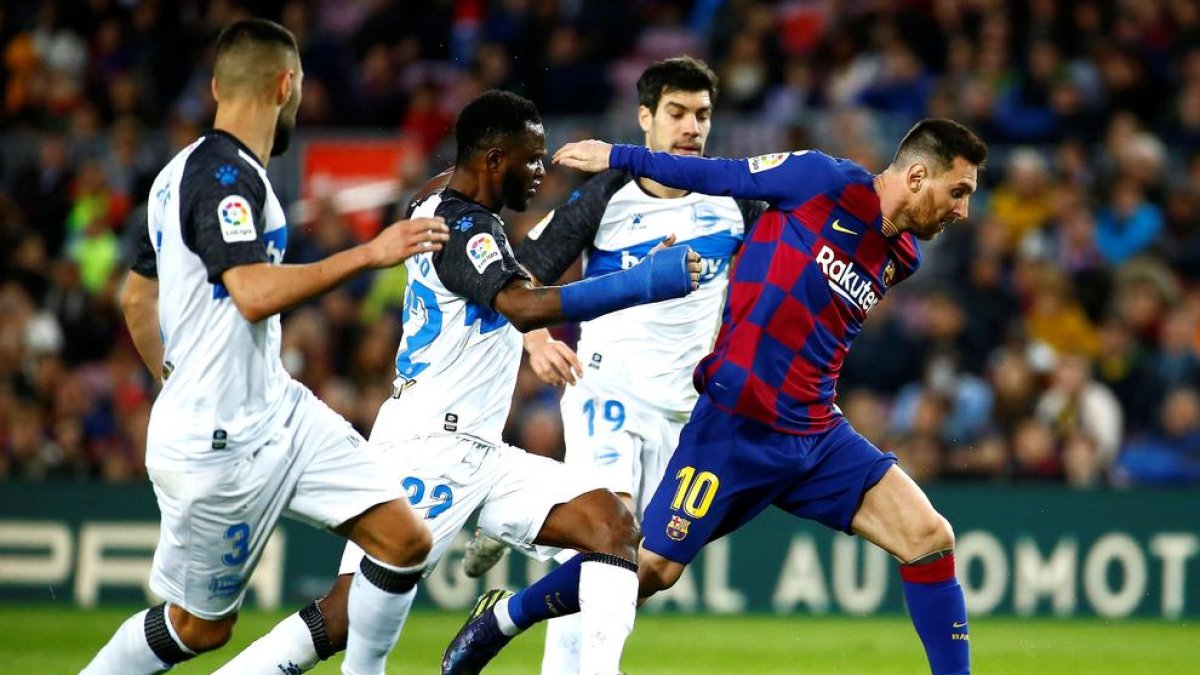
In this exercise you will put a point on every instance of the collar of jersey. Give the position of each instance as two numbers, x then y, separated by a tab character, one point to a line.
237	141
449	192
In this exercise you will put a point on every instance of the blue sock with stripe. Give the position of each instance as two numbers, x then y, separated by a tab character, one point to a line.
939	613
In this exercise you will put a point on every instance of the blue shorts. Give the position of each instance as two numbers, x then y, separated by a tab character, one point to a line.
727	469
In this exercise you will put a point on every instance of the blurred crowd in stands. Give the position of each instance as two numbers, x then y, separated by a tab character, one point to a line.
1054	337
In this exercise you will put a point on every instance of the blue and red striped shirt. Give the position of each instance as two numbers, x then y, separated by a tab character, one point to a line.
811	268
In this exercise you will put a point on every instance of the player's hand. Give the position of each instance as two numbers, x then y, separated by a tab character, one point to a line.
552	360
406	238
693	259
584	155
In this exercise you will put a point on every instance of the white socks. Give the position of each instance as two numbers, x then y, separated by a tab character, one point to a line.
288	648
380	597
128	651
561	654
608	589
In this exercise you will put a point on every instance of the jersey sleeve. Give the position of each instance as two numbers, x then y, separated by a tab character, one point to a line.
145	259
783	180
569	230
477	262
221	208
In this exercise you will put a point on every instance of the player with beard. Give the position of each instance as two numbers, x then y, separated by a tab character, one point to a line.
465	310
766	431
233	441
624	411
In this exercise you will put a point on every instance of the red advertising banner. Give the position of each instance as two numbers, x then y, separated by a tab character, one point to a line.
359	176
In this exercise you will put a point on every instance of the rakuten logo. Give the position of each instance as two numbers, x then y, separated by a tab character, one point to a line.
845	281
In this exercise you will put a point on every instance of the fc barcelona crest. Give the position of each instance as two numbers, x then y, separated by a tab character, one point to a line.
677	529
889	272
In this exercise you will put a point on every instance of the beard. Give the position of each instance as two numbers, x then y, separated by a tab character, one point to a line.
513	192
285	127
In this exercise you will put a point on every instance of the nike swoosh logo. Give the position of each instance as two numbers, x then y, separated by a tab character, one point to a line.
838	228
960	625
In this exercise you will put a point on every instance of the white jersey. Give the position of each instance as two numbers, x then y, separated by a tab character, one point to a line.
647	352
457	364
212	208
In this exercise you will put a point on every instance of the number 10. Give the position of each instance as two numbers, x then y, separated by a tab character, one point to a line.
695	496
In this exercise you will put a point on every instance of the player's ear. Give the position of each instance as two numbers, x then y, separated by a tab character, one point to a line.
283	89
917	173
494	158
645	118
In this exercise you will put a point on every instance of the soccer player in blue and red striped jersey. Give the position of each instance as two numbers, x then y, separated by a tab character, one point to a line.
766	430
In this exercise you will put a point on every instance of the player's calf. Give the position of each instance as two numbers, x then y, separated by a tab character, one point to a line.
156	639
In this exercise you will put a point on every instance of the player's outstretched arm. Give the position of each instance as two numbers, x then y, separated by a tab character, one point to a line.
139	304
667	272
261	290
781	179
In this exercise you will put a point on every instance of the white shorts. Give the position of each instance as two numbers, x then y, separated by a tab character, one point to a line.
449	477
217	519
624	442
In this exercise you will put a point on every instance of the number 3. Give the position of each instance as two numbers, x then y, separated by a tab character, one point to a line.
240	536
695	496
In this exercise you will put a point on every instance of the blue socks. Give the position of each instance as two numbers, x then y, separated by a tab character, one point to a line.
553	595
939	613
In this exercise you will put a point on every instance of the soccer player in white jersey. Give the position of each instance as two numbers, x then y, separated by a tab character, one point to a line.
464	311
233	441
623	417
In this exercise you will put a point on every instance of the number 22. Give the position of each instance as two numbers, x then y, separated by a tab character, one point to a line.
441	493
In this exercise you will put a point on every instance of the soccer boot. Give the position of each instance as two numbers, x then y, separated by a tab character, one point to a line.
479	640
483	553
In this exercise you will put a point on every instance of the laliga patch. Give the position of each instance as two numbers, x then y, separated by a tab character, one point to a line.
483	251
237	221
764	162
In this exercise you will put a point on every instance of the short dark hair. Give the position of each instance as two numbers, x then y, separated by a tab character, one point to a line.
493	116
246	49
258	31
680	73
943	140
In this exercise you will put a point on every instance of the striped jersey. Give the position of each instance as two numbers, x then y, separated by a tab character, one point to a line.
811	268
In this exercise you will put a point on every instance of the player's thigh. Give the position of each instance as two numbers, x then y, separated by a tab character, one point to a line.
898	517
840	467
342	476
444	478
602	436
215	523
724	472
524	494
662	437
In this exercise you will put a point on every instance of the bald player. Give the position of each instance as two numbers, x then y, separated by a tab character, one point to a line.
234	442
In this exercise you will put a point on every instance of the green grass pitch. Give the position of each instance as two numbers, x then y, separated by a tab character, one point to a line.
53	641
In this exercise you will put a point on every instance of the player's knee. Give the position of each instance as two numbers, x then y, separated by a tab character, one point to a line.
200	635
620	534
609	527
412	546
931	534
